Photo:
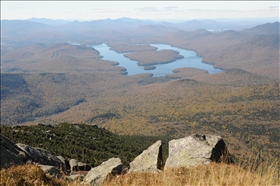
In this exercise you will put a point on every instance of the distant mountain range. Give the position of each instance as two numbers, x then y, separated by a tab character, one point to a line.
244	48
24	32
213	25
48	21
35	25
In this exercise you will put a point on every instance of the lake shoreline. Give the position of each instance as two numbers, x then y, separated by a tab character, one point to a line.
189	59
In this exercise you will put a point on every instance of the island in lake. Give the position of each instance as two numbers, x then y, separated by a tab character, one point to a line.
149	67
154	57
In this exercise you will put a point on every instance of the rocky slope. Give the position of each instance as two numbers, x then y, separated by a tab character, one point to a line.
190	151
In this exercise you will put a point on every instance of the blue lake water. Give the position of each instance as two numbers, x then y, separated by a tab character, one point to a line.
190	60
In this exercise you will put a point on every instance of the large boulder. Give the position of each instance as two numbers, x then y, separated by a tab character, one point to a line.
149	161
41	156
196	150
10	153
97	175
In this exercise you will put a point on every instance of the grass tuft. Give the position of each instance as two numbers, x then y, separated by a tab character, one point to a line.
27	175
212	174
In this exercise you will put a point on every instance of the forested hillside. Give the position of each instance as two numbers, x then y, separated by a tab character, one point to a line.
54	81
86	143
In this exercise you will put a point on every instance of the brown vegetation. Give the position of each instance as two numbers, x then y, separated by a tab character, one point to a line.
189	72
213	174
59	58
28	174
254	52
242	109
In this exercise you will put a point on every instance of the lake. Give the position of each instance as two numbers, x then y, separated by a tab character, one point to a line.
190	60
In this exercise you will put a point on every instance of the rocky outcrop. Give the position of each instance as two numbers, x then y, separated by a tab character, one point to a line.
17	154
40	155
10	153
196	150
97	175
149	161
185	152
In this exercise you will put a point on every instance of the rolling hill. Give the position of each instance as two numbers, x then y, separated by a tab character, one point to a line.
255	52
46	80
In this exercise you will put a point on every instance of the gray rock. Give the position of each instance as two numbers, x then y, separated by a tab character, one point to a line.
196	150
83	167
51	171
10	153
24	157
97	175
73	163
125	170
78	166
150	160
40	155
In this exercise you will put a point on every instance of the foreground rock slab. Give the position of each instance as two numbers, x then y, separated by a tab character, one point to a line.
197	150
97	175
149	161
10	153
41	156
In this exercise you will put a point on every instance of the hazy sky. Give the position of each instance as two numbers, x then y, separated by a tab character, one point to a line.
155	10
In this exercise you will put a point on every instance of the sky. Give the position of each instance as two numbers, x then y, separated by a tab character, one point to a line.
152	10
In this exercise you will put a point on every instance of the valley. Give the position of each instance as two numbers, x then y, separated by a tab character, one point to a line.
49	81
